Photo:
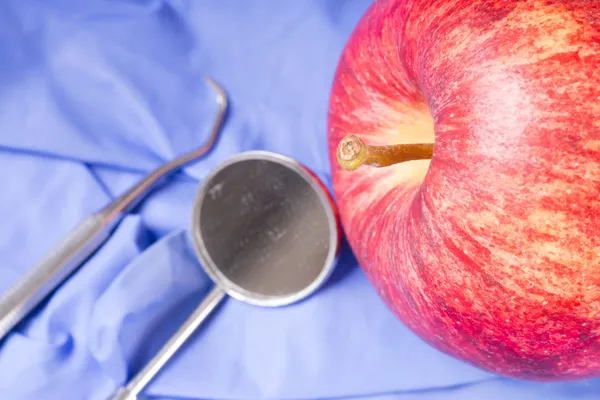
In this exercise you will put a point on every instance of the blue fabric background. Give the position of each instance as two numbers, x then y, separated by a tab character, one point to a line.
93	94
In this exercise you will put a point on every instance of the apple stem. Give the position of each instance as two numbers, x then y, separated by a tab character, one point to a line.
352	152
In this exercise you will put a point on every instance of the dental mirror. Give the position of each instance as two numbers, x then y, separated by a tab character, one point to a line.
266	231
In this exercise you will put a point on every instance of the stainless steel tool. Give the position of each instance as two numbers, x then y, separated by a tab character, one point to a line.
89	235
266	231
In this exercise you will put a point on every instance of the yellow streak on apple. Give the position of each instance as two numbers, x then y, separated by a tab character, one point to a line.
549	18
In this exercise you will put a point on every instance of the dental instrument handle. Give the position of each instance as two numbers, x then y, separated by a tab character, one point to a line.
139	382
20	299
70	253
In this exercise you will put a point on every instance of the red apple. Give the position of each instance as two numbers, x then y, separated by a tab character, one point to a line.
489	250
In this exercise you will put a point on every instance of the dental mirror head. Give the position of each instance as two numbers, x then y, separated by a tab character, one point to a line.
265	229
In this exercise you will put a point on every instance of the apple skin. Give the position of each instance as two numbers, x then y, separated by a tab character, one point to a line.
490	250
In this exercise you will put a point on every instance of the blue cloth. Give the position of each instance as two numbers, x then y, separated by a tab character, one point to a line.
93	94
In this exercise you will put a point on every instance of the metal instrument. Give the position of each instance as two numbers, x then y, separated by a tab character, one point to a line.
266	232
89	235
